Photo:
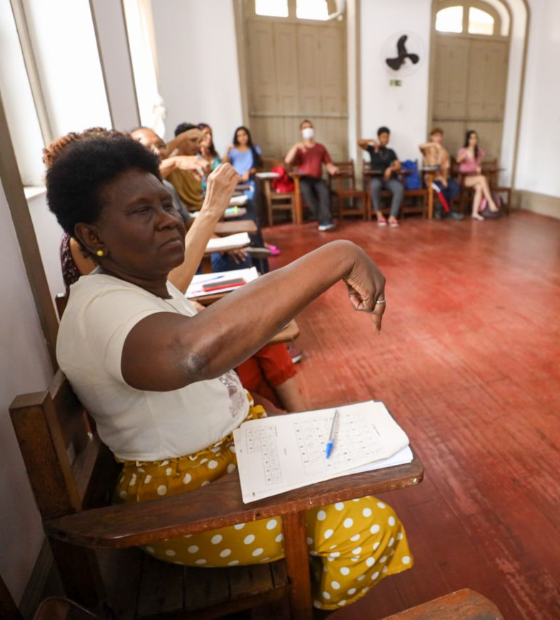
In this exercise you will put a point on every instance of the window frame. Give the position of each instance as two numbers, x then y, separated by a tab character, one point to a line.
467	5
250	5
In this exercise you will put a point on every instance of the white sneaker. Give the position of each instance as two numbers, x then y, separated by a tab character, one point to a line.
326	227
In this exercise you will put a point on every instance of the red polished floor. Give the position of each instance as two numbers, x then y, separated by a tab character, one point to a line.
469	364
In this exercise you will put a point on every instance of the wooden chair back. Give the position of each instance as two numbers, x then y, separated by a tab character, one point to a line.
274	201
66	462
61	301
8	607
346	177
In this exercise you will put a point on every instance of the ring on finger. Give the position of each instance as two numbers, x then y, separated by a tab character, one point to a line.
381	301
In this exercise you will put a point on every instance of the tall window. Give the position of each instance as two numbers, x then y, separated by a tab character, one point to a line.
312	9
480	22
450	19
51	81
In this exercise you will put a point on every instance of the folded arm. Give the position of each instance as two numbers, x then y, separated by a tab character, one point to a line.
363	144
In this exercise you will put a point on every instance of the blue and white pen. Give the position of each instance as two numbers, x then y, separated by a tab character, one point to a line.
330	444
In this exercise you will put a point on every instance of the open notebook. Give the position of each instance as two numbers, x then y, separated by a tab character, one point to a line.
196	287
286	452
239	240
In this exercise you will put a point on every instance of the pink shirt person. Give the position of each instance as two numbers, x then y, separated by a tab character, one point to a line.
470	165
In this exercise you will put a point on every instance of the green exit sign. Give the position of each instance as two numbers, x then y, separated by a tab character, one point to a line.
395	82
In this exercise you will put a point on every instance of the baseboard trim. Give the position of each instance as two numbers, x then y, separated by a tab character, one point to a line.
34	590
538	203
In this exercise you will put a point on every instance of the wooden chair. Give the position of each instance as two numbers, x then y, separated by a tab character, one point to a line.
410	195
491	170
73	475
461	605
344	187
278	202
8	607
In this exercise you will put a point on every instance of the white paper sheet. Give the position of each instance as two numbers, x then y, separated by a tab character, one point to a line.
282	453
239	240
238	201
195	289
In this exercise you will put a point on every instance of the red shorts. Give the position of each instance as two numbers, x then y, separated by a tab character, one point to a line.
267	368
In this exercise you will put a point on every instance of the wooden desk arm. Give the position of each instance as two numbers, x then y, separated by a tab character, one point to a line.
288	334
215	506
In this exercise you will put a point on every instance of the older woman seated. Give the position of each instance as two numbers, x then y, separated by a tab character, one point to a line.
157	377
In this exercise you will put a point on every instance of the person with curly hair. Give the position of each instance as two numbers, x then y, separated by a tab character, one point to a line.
157	376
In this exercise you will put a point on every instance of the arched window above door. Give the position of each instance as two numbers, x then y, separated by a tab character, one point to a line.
316	10
475	17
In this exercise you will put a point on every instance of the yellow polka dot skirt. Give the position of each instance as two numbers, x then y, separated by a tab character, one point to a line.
352	544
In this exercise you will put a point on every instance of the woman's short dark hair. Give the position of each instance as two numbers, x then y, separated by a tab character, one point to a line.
182	127
77	177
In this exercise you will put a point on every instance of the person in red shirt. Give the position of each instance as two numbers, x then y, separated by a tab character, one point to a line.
309	157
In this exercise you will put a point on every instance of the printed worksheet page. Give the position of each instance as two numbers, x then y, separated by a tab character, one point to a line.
286	452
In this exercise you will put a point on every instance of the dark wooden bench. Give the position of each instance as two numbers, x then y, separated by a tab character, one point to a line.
73	475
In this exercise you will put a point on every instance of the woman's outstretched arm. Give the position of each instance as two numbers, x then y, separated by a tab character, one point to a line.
167	351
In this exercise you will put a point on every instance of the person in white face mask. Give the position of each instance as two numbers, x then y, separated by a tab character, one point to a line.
309	157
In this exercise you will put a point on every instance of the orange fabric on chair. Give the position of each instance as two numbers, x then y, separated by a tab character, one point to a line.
267	368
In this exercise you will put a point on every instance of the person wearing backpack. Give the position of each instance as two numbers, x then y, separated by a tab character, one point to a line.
385	165
447	189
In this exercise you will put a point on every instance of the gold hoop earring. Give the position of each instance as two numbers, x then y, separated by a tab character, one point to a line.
100	253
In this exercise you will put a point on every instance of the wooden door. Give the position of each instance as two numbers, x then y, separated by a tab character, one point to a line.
470	79
296	70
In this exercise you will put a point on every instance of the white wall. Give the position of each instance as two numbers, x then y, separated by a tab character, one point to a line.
403	109
113	45
512	111
198	68
68	61
537	169
24	367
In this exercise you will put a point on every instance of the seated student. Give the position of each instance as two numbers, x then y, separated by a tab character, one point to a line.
309	157
149	138
187	141
270	371
470	159
208	151
131	344
384	161
435	154
246	158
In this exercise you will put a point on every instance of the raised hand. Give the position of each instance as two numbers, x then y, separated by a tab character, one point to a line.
220	187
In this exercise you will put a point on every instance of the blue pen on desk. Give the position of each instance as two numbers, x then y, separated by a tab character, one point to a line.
330	444
213	279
